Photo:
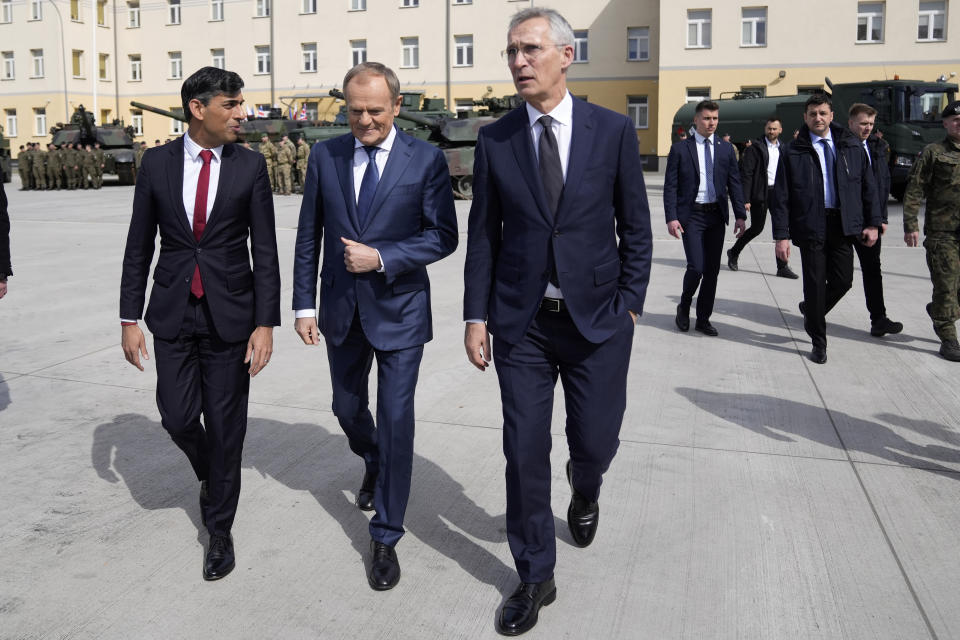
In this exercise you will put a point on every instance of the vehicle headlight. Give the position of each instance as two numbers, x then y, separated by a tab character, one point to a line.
903	160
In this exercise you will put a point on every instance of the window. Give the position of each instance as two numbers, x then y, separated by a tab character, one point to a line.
638	111
870	22
102	13
411	52
40	121
311	109
77	63
932	21
136	120
176	126
698	29
136	68
103	64
753	27
37	55
462	1
308	6
104	116
638	43
358	51
11	122
217	59
75	10
580	52
263	8
173	11
358	5
464	45
263	59
309	56
6	11
698	94
410	3
9	68
176	64
808	89
133	15
36	9
216	10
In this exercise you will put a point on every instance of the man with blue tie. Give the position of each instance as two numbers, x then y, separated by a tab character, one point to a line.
558	260
824	199
378	206
701	174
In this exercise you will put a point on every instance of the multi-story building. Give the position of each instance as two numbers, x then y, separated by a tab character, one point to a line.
640	57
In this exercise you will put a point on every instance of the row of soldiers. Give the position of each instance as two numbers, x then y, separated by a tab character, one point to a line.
286	163
68	167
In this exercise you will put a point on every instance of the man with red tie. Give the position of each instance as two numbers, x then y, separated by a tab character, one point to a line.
211	316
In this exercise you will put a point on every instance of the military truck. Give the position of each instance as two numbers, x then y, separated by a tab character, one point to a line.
115	139
908	115
5	174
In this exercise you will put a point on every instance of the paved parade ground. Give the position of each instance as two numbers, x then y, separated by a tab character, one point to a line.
755	496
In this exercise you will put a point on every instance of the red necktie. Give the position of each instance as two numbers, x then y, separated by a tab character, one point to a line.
200	216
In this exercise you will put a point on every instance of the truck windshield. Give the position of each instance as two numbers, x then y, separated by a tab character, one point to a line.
920	104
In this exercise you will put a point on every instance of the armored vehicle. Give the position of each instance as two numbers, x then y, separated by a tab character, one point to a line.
5	174
908	115
115	139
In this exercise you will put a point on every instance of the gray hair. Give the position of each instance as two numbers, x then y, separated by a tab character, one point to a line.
560	30
377	69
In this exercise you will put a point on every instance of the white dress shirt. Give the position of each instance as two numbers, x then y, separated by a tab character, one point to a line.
702	190
867	149
773	149
829	192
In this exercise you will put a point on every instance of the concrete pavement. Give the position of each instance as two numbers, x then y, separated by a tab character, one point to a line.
755	495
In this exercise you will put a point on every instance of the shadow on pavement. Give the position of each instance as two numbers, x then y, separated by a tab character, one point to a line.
4	394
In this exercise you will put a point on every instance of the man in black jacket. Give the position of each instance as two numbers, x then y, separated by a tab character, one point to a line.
5	268
824	199
758	170
861	121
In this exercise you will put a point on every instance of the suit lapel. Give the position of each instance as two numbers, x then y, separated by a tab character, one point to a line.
343	160
581	152
397	163
527	160
224	186
692	151
175	183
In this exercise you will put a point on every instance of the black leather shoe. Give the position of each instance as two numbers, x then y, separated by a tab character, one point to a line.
950	350
818	355
384	567
803	308
884	326
786	272
220	559
732	260
583	516
204	501
519	612
683	318
365	494
706	328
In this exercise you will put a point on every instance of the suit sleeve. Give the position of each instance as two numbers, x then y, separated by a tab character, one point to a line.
263	247
670	182
872	215
734	186
780	200
633	223
484	230
141	238
438	225
307	250
748	167
4	234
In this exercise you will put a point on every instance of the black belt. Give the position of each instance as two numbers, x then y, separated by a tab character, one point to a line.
556	305
832	211
708	207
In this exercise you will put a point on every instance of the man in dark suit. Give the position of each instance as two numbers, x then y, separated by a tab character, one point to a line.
5	269
211	316
378	205
701	174
824	199
861	121
556	183
758	172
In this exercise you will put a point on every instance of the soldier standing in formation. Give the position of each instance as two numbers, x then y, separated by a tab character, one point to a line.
270	155
936	178
99	164
24	167
54	167
71	166
285	159
303	153
39	167
88	178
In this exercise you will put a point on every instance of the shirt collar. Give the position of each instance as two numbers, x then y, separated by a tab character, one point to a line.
700	138
562	113
775	143
386	145
815	139
193	149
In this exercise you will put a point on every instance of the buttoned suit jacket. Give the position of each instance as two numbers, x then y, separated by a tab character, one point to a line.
681	181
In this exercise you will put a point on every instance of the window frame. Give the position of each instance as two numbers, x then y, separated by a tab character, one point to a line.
136	121
76	59
356	49
358	5
35	61
36	10
177	127
931	16
222	58
581	46
174	16
6	11
308	57
262	8
133	15
10	119
754	23
9	65
409	4
263	60
700	23
639	39
103	67
135	61
216	11
410	45
40	116
175	65
870	16
306	6
641	107
463	48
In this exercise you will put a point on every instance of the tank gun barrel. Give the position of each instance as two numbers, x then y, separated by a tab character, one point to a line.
158	110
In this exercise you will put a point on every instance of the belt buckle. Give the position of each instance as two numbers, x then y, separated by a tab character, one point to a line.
551	304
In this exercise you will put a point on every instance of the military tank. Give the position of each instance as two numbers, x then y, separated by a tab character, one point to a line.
115	140
5	174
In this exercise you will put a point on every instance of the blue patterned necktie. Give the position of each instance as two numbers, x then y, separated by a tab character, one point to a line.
368	186
708	169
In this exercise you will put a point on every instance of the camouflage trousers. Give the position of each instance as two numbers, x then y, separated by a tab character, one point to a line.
53	177
943	260
283	175
40	178
272	174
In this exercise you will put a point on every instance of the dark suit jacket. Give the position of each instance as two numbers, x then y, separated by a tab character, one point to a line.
753	171
682	180
412	222
512	233
880	163
239	298
4	234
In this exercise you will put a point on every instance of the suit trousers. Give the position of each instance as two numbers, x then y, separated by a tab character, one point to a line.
197	372
594	378
827	275
703	245
758	217
387	445
872	279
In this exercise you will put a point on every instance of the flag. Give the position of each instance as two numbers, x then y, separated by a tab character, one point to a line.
303	112
263	113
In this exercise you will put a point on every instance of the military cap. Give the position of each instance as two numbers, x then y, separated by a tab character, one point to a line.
953	109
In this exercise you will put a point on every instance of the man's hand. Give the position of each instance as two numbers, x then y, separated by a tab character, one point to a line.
911	238
359	258
883	228
746	205
783	250
869	236
134	345
259	349
306	328
3	288
476	340
633	316
739	227
674	228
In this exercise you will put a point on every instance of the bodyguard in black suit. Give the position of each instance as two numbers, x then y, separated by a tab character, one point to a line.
861	120
701	174
5	269
211	315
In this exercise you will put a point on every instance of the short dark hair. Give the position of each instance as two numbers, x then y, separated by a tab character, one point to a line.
858	107
377	69
707	105
817	99
206	83
774	119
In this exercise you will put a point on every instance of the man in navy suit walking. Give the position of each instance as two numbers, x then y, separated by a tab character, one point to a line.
558	260
378	206
701	174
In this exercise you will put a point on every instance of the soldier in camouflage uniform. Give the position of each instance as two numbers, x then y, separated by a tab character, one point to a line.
24	168
935	177
53	167
39	167
88	168
99	164
71	167
270	155
286	156
303	153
